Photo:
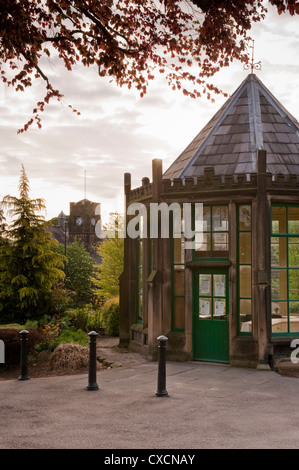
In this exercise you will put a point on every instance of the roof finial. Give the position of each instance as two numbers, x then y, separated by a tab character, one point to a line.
84	184
253	65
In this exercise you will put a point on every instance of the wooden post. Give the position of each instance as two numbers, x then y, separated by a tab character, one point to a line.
263	264
125	279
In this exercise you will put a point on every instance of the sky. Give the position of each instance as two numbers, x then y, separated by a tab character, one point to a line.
117	131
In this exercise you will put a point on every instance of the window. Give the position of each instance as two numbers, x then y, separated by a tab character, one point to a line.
212	241
244	254
178	282
285	269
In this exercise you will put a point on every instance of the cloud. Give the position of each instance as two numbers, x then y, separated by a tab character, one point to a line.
117	131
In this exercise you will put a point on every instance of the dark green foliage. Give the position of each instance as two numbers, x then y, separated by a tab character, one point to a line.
111	317
85	318
69	336
29	268
79	271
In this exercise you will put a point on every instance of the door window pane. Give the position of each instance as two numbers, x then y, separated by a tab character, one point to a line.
205	285
219	288
219	309
205	310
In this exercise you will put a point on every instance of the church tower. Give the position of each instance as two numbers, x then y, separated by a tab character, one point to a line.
84	216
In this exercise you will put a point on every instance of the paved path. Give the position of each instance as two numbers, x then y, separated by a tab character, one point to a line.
208	407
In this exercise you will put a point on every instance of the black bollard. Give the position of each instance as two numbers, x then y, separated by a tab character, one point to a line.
24	354
161	390
92	373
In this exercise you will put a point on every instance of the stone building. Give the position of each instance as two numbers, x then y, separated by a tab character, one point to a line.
229	290
83	219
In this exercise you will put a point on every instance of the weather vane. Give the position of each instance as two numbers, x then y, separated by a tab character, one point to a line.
253	65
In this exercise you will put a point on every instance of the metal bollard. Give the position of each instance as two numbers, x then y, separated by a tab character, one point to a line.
161	389
92	372
24	354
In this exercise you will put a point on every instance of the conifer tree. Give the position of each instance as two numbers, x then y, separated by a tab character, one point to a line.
29	268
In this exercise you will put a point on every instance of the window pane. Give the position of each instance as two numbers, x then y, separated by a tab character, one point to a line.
220	218
293	219
245	316
206	218
279	284
245	248
294	252
179	281
220	245
178	248
294	309
245	281
219	288
205	284
245	218
279	252
205	308
279	309
219	309
279	317
204	249
279	218
294	284
179	313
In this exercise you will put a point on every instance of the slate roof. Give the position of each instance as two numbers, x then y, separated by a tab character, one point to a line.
250	120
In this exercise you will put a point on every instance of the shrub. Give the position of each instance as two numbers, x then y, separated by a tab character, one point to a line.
85	318
51	332
111	316
31	324
94	321
79	316
69	336
11	338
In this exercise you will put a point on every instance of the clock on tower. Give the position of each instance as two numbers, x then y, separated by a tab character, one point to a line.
84	216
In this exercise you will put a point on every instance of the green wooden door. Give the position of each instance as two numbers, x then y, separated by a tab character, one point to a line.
210	316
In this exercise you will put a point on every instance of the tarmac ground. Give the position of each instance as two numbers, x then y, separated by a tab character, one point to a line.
208	406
